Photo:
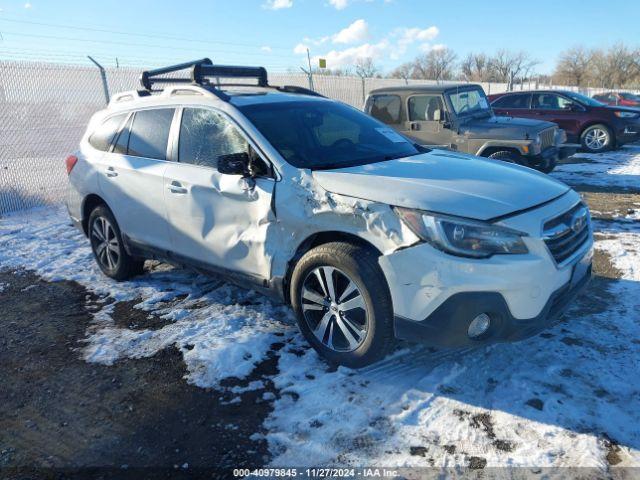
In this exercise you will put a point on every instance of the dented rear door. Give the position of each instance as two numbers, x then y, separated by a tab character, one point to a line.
216	219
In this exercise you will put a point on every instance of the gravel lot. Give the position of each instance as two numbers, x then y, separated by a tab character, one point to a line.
180	371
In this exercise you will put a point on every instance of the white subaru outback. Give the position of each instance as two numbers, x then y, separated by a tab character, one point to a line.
368	236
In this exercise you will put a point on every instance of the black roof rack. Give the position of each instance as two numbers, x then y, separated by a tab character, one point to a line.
203	69
148	77
200	73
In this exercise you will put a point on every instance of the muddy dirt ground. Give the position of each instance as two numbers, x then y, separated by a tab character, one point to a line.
57	411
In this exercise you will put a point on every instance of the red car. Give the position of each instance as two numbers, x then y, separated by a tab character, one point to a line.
624	99
598	127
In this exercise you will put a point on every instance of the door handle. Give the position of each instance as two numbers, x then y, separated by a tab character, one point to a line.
176	187
110	172
414	126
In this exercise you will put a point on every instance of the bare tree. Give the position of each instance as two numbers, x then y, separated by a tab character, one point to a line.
509	66
404	71
365	68
436	65
623	64
574	65
476	67
601	71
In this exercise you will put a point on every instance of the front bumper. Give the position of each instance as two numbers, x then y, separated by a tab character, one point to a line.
447	326
555	153
437	294
630	133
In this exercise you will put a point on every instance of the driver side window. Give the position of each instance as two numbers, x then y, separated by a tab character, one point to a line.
425	108
206	136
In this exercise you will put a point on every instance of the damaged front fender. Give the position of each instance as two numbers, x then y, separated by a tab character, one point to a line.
306	209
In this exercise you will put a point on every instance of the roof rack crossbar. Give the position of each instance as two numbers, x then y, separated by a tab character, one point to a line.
201	71
147	78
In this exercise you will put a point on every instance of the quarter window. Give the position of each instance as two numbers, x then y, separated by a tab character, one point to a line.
102	137
205	136
122	143
426	108
150	133
386	108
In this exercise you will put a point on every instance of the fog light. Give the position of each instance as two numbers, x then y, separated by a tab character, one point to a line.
479	325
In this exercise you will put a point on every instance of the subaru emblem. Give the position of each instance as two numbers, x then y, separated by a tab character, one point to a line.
578	221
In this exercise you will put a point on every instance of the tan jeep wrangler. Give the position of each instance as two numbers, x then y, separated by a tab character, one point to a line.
459	117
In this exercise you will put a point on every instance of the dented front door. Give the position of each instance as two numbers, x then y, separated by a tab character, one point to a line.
216	219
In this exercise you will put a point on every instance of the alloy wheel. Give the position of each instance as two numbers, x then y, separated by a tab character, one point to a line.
334	309
105	243
596	139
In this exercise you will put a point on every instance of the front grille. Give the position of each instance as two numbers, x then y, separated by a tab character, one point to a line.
548	138
566	233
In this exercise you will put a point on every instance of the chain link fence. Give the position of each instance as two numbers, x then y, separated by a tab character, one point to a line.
45	107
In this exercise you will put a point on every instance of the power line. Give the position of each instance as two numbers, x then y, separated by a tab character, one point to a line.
146	35
102	54
125	62
129	44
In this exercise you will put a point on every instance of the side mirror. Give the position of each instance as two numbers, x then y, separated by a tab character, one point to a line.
234	164
446	120
257	166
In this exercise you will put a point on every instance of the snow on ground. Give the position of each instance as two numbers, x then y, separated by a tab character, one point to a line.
618	169
569	397
220	329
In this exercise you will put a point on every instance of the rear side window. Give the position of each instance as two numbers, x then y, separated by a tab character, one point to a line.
102	137
205	136
512	101
150	133
385	108
550	101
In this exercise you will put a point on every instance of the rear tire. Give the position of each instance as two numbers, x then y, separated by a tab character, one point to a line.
597	139
108	248
343	305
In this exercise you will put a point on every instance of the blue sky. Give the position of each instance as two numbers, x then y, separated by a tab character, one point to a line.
274	33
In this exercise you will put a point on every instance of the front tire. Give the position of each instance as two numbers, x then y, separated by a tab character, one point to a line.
507	156
546	166
343	305
108	248
597	139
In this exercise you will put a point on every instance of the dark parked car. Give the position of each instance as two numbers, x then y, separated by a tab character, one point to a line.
623	99
598	127
458	117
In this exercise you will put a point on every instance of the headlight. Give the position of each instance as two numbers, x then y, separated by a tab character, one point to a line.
626	114
537	140
467	238
561	136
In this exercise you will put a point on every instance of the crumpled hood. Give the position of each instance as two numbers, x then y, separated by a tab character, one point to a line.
445	182
509	128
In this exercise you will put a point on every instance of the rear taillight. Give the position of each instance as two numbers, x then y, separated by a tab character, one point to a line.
71	162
